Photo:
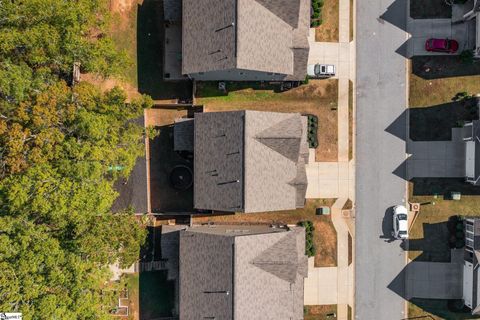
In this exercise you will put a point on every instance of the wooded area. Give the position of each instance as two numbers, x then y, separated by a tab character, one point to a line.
57	143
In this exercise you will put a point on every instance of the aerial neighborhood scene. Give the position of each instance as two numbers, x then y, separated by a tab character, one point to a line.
239	159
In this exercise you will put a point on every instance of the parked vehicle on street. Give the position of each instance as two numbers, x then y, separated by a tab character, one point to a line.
441	45
400	222
321	71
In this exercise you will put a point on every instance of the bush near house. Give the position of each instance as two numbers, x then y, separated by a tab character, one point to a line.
309	244
316	18
312	131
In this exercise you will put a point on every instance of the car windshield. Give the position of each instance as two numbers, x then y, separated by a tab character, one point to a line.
402	216
447	44
402	232
317	69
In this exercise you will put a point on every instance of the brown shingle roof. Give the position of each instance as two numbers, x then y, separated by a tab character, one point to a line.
249	161
262	270
259	35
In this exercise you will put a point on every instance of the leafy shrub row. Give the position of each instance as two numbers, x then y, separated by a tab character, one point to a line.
309	244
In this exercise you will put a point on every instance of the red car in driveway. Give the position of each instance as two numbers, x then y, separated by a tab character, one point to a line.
441	45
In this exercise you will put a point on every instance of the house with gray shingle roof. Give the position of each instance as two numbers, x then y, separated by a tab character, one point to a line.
249	161
245	40
242	272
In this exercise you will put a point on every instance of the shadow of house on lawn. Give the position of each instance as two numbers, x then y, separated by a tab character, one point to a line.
150	52
437	67
442	187
165	198
435	123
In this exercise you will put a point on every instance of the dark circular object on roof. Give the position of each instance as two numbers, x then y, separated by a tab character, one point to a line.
181	177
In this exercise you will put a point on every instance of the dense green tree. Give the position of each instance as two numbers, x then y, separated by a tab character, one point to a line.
57	143
41	39
57	234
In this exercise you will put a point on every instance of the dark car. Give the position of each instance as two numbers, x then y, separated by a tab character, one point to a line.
441	45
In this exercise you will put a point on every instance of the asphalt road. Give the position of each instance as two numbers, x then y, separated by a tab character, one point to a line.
380	147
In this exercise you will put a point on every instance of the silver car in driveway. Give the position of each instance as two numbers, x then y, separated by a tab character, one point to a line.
321	71
400	222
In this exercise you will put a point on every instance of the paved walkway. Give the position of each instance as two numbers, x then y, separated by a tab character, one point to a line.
335	179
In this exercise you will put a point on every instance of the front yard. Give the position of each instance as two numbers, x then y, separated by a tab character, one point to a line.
436	80
325	236
434	309
429	234
319	97
323	312
328	30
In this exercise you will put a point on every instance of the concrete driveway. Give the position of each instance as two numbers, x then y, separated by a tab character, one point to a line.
436	159
434	280
423	29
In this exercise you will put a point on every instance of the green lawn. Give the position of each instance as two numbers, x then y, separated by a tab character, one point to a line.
124	34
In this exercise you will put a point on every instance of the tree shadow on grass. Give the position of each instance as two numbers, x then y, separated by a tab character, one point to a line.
150	51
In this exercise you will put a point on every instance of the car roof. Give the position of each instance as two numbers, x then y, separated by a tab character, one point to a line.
402	225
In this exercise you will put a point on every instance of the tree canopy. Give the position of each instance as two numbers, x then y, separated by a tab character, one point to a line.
57	142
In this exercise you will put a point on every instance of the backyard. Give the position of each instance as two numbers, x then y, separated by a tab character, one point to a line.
152	296
318	97
162	159
325	236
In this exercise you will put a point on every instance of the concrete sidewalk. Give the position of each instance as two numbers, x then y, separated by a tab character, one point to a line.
335	179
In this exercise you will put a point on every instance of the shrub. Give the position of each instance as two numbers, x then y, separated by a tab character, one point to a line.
309	244
306	79
316	15
466	56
